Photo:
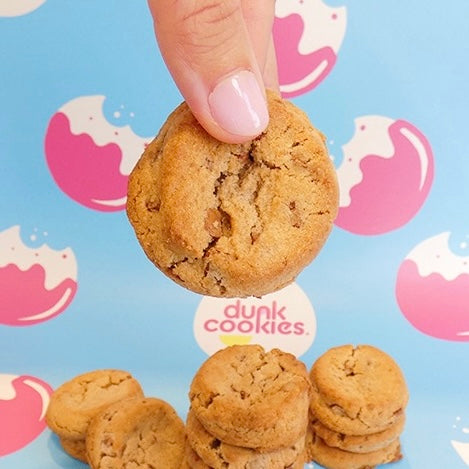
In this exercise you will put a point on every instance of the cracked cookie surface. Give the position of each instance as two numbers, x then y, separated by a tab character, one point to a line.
219	455
74	448
335	458
136	433
359	443
357	390
248	397
234	220
193	461
76	402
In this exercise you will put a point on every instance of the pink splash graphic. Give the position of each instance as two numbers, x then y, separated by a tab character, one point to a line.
86	172
36	284
307	37
24	300
433	305
89	158
298	73
432	290
380	192
23	404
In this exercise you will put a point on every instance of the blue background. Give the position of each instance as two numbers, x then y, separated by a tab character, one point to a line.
402	59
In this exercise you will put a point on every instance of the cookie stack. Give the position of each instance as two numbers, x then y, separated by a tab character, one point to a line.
136	433
357	408
102	418
76	402
249	408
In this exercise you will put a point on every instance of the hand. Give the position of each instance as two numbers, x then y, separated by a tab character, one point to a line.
221	56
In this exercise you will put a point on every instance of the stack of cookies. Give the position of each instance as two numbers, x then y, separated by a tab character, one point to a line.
357	408
136	433
102	418
74	404
249	409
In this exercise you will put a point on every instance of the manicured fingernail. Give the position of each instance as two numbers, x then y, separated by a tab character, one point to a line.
238	105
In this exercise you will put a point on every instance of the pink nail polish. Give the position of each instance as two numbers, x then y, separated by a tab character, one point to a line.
238	105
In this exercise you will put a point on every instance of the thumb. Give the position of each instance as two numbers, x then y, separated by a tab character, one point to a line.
208	51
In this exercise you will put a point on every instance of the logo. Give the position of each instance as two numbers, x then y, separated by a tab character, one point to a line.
89	158
284	319
384	177
307	36
23	405
36	283
432	288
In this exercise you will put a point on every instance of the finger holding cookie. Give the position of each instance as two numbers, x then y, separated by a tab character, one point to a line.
221	57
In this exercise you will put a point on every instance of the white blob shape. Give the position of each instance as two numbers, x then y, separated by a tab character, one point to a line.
86	117
12	8
371	136
7	390
434	256
324	26
462	449
58	265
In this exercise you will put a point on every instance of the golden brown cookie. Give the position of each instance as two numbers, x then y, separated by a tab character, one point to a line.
335	458
357	390
193	460
74	448
185	463
138	432
245	396
219	455
359	443
234	220
77	401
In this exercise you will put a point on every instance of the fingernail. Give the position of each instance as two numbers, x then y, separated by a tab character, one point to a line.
238	105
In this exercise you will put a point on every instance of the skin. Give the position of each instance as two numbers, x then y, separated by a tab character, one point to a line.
205	41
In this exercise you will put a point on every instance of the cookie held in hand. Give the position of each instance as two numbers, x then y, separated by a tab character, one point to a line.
234	220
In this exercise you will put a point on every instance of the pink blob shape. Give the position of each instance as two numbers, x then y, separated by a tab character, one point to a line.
22	418
23	294
294	66
432	304
390	193
85	171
